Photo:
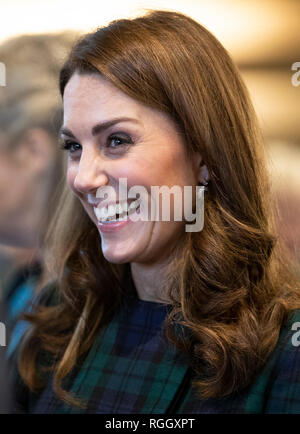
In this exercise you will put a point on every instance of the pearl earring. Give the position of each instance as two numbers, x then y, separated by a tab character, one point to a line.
205	184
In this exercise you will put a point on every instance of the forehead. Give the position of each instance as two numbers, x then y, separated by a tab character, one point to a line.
90	99
93	94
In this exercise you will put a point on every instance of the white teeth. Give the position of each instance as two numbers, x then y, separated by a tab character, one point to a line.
111	210
103	213
98	213
133	205
106	213
124	207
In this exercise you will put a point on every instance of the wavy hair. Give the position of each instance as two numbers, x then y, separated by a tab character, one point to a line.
228	287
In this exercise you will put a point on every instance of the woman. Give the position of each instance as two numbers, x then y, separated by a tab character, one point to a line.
31	167
141	315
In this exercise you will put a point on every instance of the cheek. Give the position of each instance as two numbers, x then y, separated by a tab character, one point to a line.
153	167
164	168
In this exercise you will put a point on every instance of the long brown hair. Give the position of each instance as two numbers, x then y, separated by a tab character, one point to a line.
228	287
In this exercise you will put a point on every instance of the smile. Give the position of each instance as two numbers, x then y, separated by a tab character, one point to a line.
116	212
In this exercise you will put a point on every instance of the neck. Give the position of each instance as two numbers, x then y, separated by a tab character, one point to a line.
152	279
149	281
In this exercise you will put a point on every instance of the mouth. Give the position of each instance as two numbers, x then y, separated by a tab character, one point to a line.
117	212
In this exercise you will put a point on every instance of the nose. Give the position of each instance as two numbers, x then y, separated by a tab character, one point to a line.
91	173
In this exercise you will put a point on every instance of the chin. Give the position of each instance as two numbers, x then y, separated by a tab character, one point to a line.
116	256
113	259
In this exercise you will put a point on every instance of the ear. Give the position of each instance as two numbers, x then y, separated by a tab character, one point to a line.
203	176
36	150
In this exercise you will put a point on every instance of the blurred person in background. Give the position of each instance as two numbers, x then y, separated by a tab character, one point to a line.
30	170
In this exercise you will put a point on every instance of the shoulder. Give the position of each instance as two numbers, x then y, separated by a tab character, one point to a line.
27	303
277	389
48	296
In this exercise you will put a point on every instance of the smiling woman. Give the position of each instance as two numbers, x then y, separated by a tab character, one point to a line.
144	148
140	316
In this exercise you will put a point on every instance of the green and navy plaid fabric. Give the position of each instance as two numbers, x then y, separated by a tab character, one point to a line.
276	389
131	368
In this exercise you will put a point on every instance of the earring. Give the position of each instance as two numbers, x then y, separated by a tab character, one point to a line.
205	183
202	189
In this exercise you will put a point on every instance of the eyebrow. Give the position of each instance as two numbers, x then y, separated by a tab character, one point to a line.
98	128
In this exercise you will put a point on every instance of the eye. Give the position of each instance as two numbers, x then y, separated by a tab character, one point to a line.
114	142
70	146
118	140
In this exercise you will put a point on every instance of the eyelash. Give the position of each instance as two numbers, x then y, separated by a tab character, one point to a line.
125	139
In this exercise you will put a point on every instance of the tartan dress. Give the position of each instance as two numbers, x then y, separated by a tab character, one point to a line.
132	369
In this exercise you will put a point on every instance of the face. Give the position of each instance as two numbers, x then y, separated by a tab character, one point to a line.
110	136
16	188
24	180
